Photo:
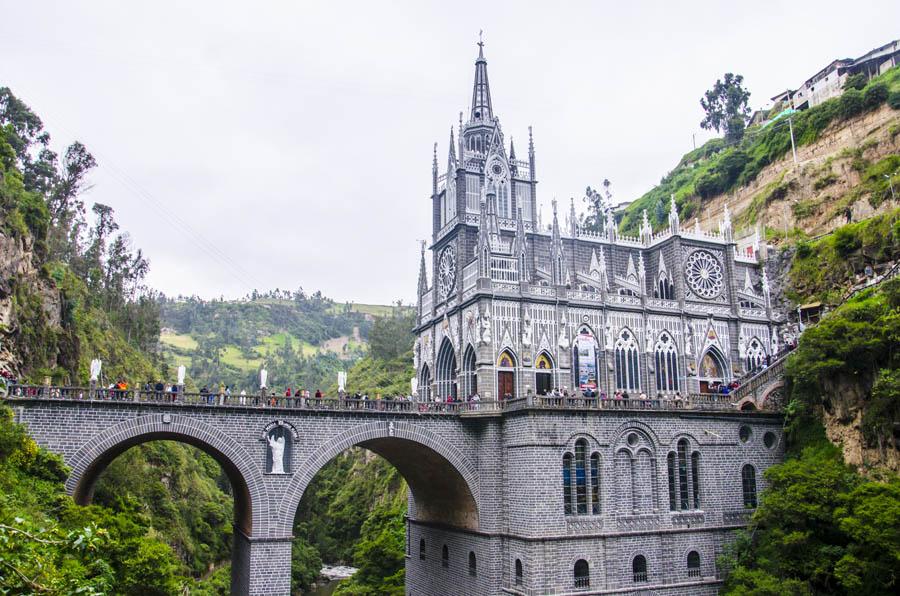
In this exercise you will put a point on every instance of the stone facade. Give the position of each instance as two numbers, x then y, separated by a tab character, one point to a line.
513	303
491	485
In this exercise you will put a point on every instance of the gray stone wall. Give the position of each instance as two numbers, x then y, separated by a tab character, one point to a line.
508	468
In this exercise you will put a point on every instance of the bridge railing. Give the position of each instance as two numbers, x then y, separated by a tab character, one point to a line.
694	401
180	398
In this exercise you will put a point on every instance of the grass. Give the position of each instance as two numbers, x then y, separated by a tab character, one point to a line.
182	341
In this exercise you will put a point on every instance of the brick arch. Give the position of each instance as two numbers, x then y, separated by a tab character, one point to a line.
443	482
98	451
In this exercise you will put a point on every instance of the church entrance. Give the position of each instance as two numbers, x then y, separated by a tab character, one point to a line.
543	374
712	371
506	384
506	376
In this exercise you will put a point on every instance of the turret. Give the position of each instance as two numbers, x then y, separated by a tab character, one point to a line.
557	253
674	222
725	225
531	153
520	248
646	231
434	172
481	110
573	219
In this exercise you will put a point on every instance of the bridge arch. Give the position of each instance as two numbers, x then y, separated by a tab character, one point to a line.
442	480
88	463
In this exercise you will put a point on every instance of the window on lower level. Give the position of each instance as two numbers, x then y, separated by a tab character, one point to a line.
582	574
639	569
693	564
473	564
748	483
519	573
422	549
445	556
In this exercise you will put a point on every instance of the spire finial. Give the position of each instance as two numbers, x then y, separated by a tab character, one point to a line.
480	44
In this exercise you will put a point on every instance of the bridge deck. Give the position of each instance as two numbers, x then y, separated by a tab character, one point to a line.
482	408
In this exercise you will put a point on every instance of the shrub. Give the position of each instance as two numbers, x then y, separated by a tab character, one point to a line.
852	103
857	81
846	241
893	99
875	95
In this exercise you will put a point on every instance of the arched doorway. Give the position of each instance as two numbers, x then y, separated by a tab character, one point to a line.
506	375
445	369
469	376
712	370
543	374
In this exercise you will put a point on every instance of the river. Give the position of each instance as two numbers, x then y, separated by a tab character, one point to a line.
335	574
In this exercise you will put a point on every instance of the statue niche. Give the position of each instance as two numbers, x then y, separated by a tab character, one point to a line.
279	441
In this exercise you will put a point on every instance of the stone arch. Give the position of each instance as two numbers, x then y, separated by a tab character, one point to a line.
246	477
772	396
443	482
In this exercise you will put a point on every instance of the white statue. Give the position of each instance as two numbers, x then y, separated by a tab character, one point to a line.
485	327
648	340
610	338
276	444
774	343
742	346
526	331
342	380
182	371
563	336
96	367
263	377
688	339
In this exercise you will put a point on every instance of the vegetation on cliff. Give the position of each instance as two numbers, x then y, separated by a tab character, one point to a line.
718	166
822	527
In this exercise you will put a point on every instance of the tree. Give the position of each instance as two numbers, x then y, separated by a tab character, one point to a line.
726	107
391	336
598	203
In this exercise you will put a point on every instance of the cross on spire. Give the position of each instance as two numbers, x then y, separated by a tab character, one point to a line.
481	91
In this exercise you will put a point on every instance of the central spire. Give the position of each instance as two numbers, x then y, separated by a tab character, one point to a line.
481	91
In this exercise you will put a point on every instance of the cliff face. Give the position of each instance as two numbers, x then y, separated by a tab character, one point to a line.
31	309
826	188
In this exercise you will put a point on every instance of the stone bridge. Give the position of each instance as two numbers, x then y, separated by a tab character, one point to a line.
489	511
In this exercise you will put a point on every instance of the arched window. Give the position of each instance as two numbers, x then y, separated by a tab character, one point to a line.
756	355
748	482
567	483
506	375
446	371
595	483
422	549
519	573
445	556
584	353
665	288
693	564
626	362
503	199
695	477
581	476
473	564
673	501
683	474
639	569
425	384
469	378
582	574
666	363
684	478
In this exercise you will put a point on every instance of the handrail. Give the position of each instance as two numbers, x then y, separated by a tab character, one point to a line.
694	401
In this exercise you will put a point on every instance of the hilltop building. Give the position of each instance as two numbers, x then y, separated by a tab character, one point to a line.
829	82
516	310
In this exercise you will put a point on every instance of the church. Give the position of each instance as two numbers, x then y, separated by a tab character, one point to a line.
517	308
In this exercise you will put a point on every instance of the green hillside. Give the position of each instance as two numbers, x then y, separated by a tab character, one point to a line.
718	169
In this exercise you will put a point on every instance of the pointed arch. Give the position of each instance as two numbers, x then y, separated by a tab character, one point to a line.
627	367
445	370
425	383
756	354
666	360
469	377
713	368
506	374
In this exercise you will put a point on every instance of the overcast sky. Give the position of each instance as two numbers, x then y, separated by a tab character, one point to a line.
285	144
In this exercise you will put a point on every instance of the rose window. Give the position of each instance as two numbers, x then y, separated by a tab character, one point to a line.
446	277
704	274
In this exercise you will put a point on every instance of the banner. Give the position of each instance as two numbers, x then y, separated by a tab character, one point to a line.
586	355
